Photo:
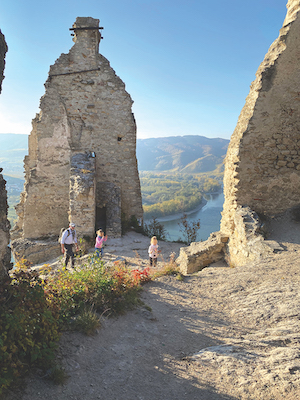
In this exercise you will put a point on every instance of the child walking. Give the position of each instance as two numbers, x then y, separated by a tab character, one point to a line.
100	239
153	251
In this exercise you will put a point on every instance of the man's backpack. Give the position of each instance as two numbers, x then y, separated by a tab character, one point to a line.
61	233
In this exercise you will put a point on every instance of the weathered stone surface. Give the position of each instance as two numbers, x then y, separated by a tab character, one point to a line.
247	242
3	51
262	166
201	254
36	251
85	110
5	253
82	192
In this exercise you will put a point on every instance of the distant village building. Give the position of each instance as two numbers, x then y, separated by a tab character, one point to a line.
82	164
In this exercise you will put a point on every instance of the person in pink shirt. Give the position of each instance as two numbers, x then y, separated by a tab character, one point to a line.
100	239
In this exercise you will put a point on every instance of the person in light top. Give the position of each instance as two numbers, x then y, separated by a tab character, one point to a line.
68	239
153	251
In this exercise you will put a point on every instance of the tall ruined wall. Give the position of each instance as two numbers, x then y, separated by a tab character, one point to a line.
5	254
262	166
85	109
4	223
3	51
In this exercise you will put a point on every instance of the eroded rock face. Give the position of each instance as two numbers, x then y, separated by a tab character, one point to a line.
201	254
5	254
82	145
262	165
3	51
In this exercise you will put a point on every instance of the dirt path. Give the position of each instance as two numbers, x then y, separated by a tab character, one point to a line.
223	333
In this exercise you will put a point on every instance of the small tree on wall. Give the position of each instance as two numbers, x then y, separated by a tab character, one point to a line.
189	229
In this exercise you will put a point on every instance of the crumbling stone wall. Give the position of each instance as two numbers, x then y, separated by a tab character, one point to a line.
85	110
5	253
262	165
82	191
5	263
3	51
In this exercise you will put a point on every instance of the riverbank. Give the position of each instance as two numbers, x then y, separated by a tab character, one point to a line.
172	217
209	214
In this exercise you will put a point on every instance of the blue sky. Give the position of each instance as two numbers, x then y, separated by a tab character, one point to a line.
187	65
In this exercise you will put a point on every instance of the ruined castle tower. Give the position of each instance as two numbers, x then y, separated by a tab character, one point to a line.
81	165
262	166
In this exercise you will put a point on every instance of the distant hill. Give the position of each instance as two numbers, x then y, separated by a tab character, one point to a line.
13	148
188	154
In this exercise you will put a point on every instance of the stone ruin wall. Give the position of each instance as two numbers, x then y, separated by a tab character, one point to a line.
262	165
5	263
5	253
3	51
85	111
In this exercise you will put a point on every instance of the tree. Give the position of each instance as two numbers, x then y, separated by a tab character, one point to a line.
189	229
154	228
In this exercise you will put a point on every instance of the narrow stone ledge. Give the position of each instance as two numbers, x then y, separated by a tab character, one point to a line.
35	251
201	254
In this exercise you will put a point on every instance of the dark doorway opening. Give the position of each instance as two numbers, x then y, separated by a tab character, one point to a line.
100	222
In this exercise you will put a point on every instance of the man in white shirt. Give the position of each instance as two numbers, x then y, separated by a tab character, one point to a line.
68	239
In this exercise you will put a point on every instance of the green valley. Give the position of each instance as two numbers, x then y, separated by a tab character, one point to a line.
166	194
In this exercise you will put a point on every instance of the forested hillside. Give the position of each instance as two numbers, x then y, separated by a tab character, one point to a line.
187	154
166	194
175	172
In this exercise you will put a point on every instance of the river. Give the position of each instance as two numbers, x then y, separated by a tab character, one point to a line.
209	215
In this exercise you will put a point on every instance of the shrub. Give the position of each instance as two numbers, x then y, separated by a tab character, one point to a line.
189	229
155	228
58	375
28	329
87	322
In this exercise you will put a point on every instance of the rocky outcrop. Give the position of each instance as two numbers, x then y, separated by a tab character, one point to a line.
5	253
3	51
81	165
36	251
262	165
201	254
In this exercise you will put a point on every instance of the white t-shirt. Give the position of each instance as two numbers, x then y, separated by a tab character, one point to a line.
69	236
153	250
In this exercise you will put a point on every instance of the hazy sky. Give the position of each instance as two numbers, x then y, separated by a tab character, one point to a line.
187	65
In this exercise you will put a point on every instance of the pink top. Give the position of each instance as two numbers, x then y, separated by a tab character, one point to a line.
99	241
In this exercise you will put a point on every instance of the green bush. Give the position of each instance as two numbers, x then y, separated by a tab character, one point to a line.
34	310
28	328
